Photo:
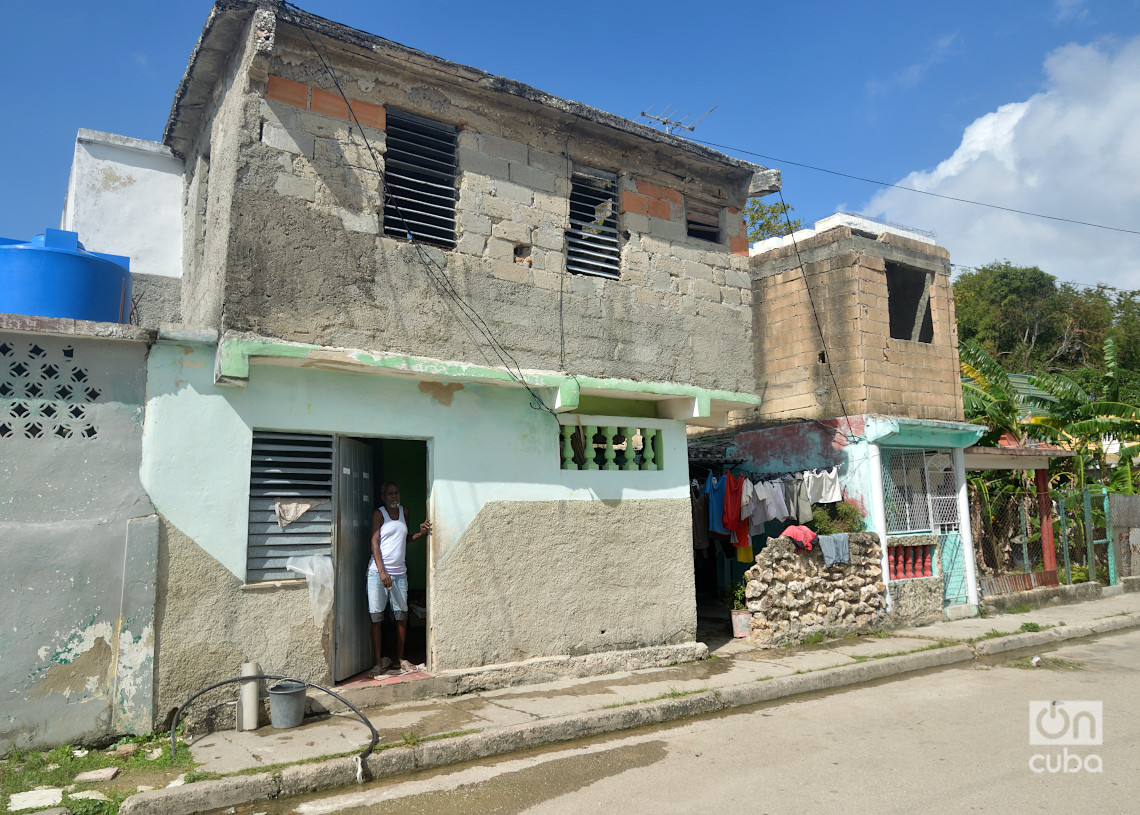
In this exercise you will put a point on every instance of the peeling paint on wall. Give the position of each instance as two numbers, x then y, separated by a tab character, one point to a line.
82	665
441	392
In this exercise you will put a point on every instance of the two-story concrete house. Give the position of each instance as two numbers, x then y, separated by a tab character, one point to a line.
399	268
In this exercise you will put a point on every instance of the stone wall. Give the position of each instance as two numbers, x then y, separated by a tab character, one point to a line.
915	602
792	596
846	274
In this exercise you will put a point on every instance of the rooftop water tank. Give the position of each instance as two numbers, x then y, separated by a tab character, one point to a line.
52	275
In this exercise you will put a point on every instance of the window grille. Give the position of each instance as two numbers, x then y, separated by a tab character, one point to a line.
419	165
290	468
919	491
592	239
702	222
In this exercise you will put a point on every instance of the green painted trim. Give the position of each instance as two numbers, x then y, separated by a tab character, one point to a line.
233	355
892	431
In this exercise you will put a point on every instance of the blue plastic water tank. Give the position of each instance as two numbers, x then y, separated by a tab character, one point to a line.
52	275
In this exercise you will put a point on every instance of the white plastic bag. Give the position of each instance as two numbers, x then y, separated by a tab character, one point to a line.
318	572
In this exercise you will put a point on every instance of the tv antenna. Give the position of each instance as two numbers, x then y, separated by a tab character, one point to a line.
671	125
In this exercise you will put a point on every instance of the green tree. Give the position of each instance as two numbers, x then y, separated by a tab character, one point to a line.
1087	421
1009	311
770	220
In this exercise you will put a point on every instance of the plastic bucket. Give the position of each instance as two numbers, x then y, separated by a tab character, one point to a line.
287	704
741	622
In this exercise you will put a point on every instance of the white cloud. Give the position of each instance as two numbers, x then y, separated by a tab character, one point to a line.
1067	10
913	75
1072	151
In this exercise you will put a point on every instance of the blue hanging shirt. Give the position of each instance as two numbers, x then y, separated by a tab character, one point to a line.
714	489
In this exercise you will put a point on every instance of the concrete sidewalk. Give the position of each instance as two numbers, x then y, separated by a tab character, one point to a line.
428	733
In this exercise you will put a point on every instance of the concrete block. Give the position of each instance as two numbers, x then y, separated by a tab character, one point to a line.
503	148
547	280
534	178
552	239
636	223
336	152
511	271
696	271
467	140
556	205
511	231
498	208
730	295
291	141
554	262
471	243
294	187
509	191
705	290
499	249
739	279
647	297
471	161
474	224
539	159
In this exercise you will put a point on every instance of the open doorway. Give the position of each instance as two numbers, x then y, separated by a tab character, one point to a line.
364	464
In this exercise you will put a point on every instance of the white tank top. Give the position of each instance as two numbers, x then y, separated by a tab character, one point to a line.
393	543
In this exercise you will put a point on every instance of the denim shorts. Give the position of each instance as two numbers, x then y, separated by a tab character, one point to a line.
379	597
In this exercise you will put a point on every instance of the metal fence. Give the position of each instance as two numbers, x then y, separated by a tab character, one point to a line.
1083	538
1006	525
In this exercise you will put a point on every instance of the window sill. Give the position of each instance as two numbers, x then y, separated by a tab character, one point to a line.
268	585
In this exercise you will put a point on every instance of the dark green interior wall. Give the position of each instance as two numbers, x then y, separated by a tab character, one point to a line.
405	462
603	406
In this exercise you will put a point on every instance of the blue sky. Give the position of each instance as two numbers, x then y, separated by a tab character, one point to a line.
1031	105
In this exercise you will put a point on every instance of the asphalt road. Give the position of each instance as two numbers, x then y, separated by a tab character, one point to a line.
953	741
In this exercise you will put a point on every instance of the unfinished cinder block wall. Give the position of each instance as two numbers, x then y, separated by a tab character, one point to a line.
886	310
285	225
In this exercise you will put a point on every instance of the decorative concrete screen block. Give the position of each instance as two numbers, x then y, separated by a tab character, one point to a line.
44	394
597	447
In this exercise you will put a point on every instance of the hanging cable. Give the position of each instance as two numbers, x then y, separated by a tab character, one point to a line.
915	190
435	273
815	313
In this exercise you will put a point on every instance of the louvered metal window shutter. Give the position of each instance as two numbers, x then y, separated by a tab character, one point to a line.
288	467
592	239
419	164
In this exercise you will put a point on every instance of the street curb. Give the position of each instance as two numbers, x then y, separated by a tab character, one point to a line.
203	796
1051	636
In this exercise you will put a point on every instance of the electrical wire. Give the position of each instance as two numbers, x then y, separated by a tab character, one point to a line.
915	190
435	273
815	313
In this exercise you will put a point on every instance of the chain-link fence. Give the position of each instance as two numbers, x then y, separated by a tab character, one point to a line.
1006	527
1006	524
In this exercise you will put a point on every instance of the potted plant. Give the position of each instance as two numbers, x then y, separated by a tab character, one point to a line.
741	617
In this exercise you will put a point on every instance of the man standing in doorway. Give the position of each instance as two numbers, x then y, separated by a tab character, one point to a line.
388	573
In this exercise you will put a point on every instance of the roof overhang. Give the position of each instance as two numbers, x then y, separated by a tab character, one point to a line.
1012	458
896	431
561	392
226	28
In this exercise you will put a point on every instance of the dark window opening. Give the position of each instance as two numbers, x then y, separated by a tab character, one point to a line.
592	239
702	222
908	303
419	166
